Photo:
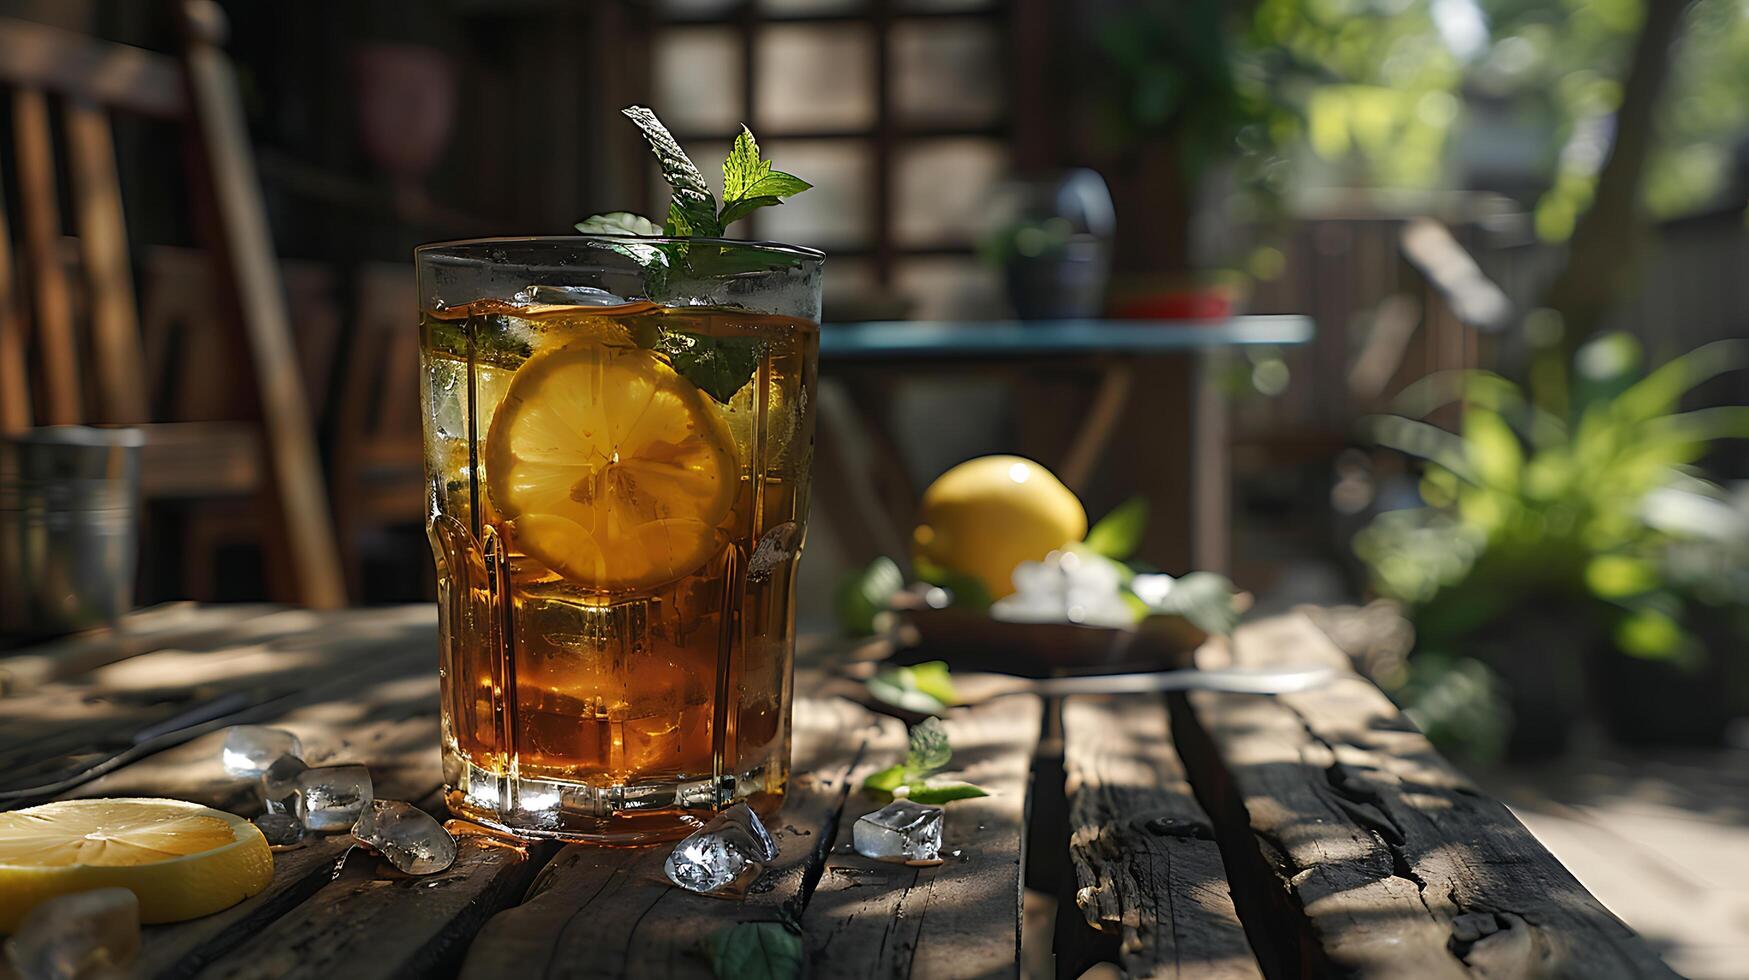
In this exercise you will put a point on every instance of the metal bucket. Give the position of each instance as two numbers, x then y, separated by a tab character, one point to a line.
69	528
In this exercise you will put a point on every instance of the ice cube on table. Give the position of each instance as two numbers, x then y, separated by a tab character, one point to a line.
900	831
406	835
282	830
724	856
331	798
250	749
82	935
279	784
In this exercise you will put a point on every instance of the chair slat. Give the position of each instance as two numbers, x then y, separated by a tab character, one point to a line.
103	245
294	467
14	385
37	56
51	305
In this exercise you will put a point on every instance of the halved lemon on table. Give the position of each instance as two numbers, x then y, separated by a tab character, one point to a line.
182	860
610	468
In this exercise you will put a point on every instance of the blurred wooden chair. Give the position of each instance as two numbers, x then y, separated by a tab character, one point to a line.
378	472
51	372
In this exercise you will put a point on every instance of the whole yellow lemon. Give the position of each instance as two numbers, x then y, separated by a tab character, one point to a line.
987	515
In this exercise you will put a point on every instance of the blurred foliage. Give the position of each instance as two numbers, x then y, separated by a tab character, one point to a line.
1379	92
1598	508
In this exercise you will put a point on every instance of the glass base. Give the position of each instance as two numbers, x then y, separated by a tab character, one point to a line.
624	814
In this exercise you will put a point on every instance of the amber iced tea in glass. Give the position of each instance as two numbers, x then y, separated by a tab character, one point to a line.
618	492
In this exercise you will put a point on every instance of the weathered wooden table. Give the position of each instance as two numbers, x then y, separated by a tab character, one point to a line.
1207	835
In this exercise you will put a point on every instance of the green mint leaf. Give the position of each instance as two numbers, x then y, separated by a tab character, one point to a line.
939	793
618	223
965	591
679	225
1203	598
749	183
926	688
865	594
885	781
896	686
883	689
1119	533
756	951
694	205
743	168
929	750
934	679
740	209
776	183
718	366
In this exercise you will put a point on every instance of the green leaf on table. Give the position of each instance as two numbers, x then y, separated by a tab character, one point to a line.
694	208
1203	598
966	591
928	750
1118	534
864	595
937	794
756	951
926	688
619	223
887	780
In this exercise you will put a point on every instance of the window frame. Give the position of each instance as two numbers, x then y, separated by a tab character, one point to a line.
884	137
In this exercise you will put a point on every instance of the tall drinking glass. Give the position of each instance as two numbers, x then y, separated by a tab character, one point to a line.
618	436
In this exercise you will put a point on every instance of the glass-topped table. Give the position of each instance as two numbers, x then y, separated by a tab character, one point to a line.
990	339
1080	387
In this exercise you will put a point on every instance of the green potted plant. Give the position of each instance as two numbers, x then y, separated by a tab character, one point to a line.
1537	554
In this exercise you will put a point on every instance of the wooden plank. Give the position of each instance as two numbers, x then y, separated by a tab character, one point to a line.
1148	872
39	56
295	485
288	658
109	281
51	307
1363	853
960	919
377	710
141	631
369	921
611	911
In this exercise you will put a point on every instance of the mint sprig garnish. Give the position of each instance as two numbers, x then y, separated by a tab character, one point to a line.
749	183
928	752
720	366
693	210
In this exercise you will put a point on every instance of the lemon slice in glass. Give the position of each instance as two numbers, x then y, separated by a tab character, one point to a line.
183	860
610	468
